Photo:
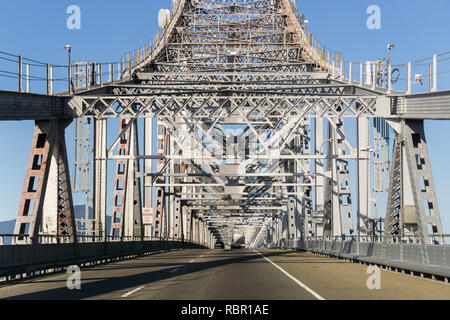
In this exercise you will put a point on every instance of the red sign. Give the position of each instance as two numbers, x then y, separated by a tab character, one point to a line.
147	215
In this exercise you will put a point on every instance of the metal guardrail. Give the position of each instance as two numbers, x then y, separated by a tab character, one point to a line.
418	259
413	77
32	76
381	238
29	260
20	239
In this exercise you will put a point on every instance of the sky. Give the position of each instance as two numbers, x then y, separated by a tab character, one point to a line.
37	30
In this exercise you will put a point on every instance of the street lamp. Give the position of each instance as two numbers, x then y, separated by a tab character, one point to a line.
69	50
390	47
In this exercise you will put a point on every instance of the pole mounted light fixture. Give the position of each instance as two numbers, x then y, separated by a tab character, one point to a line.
390	47
69	50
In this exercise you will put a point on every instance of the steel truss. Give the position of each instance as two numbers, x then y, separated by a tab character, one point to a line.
242	97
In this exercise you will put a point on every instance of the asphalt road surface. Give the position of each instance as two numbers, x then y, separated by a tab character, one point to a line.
228	275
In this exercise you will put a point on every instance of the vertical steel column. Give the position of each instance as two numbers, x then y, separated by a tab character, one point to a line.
136	199
425	205
171	197
66	213
197	230
185	212
188	235
148	169
194	229
201	235
46	205
338	204
394	224
179	212
363	176
291	220
100	170
158	228
319	215
120	225
177	219
291	216
435	74
305	207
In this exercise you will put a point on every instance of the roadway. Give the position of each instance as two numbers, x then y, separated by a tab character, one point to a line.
228	275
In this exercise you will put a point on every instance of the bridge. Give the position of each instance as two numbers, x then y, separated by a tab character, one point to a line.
253	133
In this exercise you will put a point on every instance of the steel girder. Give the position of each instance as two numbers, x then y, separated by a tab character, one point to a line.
256	106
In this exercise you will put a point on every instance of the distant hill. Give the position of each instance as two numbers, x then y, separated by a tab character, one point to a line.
7	227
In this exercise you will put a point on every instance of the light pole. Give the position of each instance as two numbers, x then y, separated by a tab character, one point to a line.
390	47
69	50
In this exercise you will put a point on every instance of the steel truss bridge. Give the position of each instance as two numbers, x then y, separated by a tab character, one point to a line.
250	127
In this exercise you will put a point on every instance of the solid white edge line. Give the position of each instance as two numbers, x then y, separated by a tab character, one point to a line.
132	291
315	294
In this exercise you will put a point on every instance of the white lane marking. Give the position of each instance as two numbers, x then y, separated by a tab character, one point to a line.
315	294
132	291
176	269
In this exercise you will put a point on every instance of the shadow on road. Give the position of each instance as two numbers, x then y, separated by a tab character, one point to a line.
105	286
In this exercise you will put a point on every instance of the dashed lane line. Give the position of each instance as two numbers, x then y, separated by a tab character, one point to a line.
132	291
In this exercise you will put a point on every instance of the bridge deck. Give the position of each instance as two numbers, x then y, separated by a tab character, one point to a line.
428	106
15	106
237	274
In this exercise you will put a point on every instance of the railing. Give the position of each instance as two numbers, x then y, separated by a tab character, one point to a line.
436	238
20	239
425	75
34	76
328	60
413	77
87	75
31	76
21	262
137	58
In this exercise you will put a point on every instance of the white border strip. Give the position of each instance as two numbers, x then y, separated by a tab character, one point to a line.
315	294
132	291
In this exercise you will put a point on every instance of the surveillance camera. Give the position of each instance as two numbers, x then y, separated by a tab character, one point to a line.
390	46
68	47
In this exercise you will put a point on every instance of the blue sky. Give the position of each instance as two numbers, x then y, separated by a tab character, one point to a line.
37	30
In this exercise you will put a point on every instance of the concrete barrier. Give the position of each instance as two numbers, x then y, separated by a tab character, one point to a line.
424	259
15	260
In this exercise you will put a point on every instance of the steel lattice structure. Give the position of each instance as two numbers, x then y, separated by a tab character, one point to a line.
251	136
